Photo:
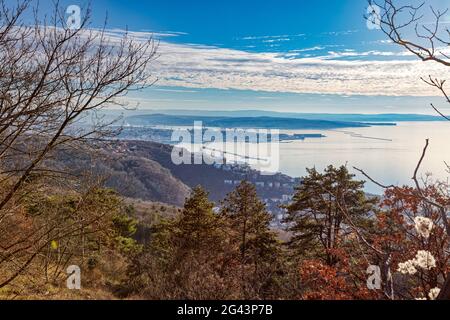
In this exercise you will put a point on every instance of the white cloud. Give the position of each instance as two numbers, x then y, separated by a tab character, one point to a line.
271	37
148	33
340	33
175	90
199	66
276	40
316	48
232	69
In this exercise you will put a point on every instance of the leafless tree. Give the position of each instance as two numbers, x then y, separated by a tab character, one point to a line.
398	21
53	81
430	41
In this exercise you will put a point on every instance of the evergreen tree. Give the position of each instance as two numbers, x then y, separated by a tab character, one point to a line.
198	227
257	246
193	246
321	211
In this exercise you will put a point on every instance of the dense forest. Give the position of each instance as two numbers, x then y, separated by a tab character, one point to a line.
337	243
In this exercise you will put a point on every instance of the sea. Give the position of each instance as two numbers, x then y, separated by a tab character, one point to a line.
389	154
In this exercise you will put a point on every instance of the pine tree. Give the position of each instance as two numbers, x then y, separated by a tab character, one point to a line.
321	209
198	268
250	233
198	227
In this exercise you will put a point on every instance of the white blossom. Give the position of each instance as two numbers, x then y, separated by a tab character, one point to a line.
407	267
424	226
434	293
425	260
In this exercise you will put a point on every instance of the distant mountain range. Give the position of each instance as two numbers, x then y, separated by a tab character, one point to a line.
255	122
181	116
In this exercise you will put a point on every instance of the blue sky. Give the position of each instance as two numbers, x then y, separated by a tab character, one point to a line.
227	23
305	56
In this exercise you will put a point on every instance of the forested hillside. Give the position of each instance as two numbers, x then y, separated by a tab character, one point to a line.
85	216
